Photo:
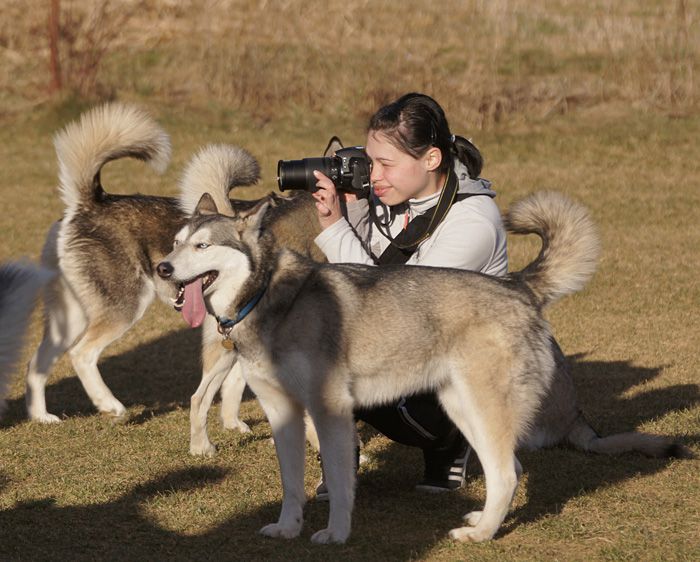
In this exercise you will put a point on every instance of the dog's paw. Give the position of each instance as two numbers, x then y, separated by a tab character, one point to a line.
472	518
328	536
203	449
112	407
471	534
236	424
46	418
277	531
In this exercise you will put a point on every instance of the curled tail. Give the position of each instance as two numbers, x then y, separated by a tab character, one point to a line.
216	169
570	244
105	133
19	286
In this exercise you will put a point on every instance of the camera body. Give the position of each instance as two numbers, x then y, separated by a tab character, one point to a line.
349	170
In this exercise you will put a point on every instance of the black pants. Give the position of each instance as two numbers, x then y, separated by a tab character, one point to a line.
417	421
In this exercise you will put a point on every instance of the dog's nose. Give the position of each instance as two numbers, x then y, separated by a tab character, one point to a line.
164	269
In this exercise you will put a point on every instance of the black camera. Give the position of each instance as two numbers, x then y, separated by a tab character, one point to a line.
349	171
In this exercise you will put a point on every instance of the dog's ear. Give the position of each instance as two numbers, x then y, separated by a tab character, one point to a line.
333	146
252	219
206	206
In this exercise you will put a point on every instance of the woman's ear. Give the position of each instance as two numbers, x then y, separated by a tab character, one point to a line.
433	159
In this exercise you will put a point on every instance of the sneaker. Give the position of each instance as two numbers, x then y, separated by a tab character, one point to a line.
445	478
321	491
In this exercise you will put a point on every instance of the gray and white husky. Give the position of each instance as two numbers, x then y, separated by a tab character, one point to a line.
106	247
559	420
314	337
20	283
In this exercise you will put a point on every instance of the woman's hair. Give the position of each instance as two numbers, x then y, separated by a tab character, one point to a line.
416	122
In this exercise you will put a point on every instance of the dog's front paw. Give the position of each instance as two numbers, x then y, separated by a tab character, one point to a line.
278	531
238	424
328	536
203	449
471	534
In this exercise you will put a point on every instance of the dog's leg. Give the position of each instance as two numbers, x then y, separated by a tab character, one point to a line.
64	321
231	397
311	433
217	363
336	434
494	443
286	419
85	355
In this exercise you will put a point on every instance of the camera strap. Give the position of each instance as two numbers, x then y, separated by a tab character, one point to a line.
404	245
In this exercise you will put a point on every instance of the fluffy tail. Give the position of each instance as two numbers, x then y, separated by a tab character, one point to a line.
583	437
216	169
19	286
105	133
570	244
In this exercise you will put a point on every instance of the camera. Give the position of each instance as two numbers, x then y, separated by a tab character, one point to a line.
349	171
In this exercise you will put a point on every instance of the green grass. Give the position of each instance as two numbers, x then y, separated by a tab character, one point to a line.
89	488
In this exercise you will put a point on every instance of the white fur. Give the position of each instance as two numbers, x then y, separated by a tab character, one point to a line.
84	145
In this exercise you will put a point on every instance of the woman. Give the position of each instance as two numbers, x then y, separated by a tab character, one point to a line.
428	207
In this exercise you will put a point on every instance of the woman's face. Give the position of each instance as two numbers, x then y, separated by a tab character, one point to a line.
396	176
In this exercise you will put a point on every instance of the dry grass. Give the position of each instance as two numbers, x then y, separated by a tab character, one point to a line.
486	61
89	489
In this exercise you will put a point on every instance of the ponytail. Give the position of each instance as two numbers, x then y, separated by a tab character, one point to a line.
469	155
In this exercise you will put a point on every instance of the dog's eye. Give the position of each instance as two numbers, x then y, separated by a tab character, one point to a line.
176	243
202	246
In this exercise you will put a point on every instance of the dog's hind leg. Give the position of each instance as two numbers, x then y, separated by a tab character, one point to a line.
493	441
85	355
286	419
64	321
231	397
106	324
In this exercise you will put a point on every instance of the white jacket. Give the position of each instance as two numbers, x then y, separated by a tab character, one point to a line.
471	236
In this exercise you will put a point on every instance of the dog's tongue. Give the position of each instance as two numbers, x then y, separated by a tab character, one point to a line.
194	310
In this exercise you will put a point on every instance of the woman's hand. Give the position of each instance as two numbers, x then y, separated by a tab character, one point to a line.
328	200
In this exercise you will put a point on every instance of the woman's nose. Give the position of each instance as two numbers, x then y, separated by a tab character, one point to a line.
375	174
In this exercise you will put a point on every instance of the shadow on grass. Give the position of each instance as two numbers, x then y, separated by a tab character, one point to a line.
161	375
122	530
391	521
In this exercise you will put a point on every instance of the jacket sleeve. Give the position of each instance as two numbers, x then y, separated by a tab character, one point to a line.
343	242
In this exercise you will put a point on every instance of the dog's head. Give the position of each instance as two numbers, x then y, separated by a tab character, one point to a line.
214	258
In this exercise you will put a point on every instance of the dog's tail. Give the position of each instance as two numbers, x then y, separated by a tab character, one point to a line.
570	244
216	169
19	286
105	133
583	437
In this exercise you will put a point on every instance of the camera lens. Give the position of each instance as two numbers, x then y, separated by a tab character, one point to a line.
299	174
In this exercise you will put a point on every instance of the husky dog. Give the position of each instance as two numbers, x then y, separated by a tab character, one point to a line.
20	284
305	335
559	420
106	247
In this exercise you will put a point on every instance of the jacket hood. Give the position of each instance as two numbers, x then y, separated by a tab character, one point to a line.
468	185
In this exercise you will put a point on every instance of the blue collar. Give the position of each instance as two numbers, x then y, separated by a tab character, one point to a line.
227	323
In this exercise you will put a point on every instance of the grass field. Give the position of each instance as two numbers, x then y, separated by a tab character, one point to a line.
589	119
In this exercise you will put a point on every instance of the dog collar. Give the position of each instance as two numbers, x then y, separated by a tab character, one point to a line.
226	323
